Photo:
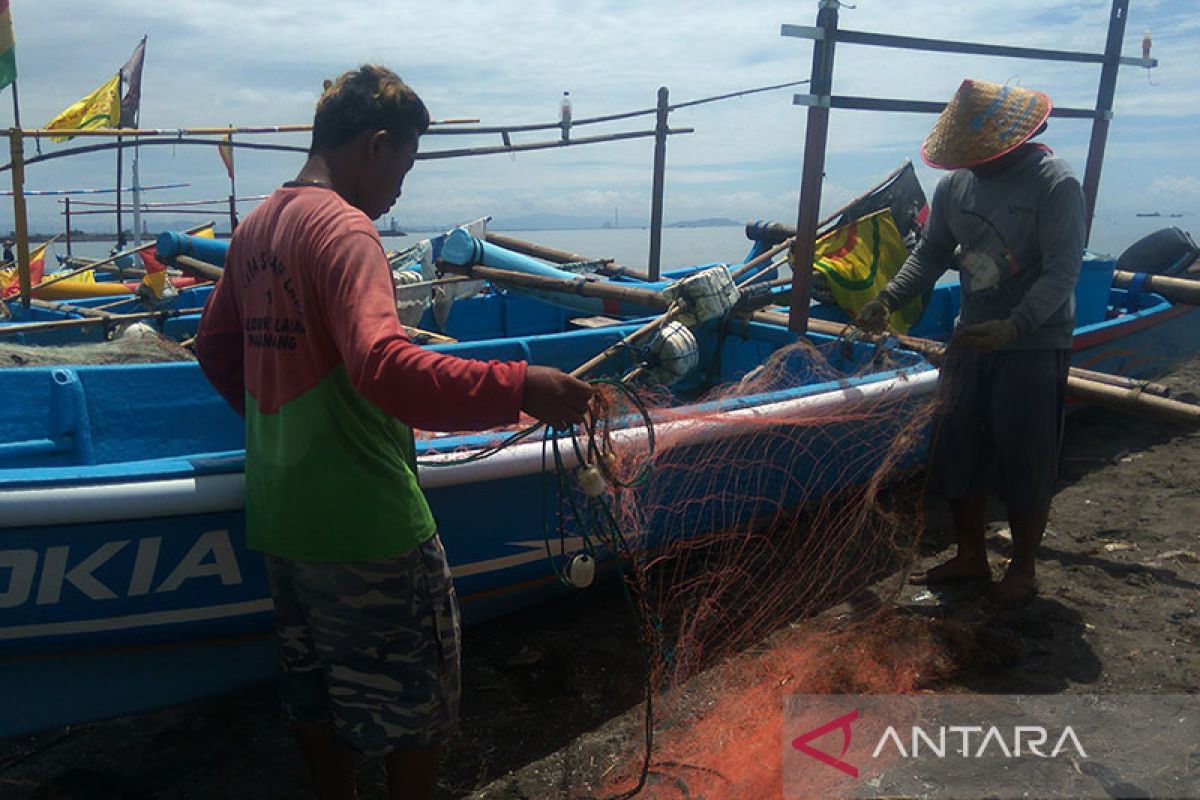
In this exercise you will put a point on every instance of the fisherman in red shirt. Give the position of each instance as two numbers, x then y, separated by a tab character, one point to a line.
301	336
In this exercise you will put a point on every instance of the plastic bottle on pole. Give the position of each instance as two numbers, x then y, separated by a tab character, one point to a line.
565	116
1146	44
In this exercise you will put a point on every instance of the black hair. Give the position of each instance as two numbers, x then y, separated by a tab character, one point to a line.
369	98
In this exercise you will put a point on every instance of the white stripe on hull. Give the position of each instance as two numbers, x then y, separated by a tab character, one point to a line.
105	502
173	617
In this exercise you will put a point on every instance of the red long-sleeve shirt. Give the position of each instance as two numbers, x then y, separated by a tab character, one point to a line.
301	335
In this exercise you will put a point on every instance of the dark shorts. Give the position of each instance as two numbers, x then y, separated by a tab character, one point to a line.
371	646
999	425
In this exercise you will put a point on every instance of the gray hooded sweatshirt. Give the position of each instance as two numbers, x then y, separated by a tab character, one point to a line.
1017	240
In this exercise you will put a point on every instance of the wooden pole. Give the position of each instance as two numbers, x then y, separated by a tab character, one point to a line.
16	106
1127	398
644	298
1104	104
70	308
67	214
93	265
1177	290
201	269
120	225
1122	381
233	221
84	322
556	256
761	258
656	194
110	259
612	349
816	135
16	146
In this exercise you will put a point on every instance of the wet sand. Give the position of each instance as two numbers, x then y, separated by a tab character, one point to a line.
550	696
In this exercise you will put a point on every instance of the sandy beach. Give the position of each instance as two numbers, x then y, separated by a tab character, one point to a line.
552	698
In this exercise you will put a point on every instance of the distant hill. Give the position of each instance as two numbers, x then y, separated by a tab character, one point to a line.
556	222
545	222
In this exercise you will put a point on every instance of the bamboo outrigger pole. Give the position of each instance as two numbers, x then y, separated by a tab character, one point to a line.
20	220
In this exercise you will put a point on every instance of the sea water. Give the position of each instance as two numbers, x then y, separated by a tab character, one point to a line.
630	247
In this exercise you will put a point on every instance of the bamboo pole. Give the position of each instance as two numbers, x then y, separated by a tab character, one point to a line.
1123	382
661	131
110	259
556	256
1126	398
1177	290
69	308
201	269
646	298
213	273
16	148
83	322
431	337
761	258
614	348
222	131
93	265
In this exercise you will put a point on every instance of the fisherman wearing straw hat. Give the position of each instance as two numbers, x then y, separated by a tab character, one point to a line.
1010	218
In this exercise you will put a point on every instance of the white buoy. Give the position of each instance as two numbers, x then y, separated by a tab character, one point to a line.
591	480
708	294
582	571
135	330
674	353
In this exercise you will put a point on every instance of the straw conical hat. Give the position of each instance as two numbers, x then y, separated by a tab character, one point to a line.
983	121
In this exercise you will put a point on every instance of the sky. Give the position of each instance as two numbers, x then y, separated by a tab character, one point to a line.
214	63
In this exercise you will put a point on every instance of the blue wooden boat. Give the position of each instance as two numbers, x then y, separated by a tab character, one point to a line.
124	582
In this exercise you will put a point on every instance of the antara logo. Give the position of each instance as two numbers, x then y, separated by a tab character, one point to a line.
991	738
801	743
973	741
211	555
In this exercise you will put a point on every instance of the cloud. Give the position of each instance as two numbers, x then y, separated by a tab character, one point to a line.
1176	188
215	62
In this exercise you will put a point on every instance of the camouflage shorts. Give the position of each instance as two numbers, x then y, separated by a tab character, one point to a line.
372	646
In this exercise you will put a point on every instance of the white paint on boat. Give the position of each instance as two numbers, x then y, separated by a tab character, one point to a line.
172	617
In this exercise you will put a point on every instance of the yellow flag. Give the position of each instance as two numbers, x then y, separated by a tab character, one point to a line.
859	259
100	109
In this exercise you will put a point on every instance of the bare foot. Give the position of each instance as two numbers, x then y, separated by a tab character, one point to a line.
1014	590
957	570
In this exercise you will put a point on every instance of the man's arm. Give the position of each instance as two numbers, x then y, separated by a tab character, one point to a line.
1061	234
219	345
417	386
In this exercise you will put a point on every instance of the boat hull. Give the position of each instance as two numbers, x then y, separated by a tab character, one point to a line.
132	588
115	573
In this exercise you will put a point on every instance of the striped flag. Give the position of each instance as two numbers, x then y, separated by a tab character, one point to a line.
8	46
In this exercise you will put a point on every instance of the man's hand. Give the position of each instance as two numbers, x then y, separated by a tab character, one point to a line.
988	336
555	397
873	317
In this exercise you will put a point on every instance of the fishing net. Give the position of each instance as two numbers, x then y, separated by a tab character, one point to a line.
148	348
760	552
